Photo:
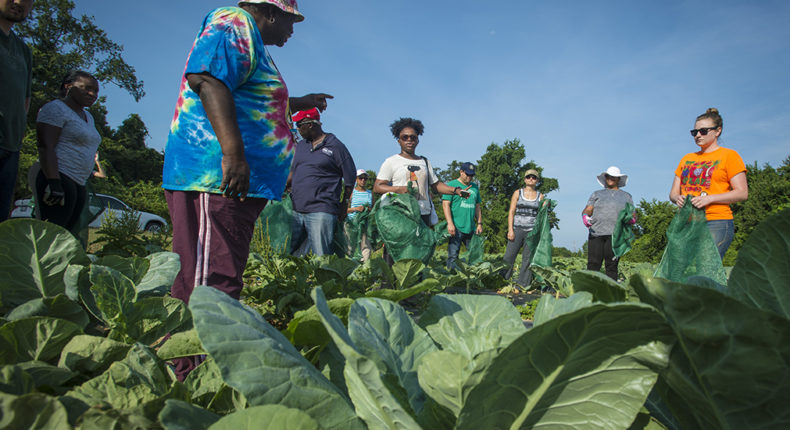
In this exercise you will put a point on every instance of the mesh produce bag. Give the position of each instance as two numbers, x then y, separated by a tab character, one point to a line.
354	229
395	220
474	254
276	219
690	248
623	233
539	239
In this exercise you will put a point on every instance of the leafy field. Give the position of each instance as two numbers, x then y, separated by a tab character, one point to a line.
85	340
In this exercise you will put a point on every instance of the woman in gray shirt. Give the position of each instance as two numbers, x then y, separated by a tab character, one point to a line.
67	144
524	206
600	216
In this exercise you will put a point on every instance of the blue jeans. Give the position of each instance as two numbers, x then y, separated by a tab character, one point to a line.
722	231
454	247
316	230
9	165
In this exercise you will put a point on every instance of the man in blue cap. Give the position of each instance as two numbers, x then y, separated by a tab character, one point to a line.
461	213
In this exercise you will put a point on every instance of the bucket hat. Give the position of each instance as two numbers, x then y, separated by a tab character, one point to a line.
613	171
288	6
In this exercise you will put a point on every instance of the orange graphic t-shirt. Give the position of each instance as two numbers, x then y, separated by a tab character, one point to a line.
710	173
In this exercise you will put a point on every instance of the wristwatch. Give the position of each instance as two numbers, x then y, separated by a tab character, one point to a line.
456	190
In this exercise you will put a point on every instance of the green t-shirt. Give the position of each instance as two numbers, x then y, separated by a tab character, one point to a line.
15	78
463	210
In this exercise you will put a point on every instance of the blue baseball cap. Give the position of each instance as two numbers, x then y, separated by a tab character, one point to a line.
468	168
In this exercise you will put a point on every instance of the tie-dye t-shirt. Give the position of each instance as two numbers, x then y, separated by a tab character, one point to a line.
229	48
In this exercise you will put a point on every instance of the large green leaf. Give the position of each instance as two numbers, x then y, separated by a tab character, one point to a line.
378	398
550	307
35	338
305	327
205	383
92	355
133	268
180	415
761	275
590	369
137	379
471	324
32	411
448	377
35	256
114	293
14	380
603	288
162	271
115	419
407	272
729	369
267	417
260	362
151	318
398	295
382	331
59	306
181	344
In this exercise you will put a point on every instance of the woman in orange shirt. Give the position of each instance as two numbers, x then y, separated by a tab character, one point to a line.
715	176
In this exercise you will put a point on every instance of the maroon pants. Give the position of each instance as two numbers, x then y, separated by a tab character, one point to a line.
211	235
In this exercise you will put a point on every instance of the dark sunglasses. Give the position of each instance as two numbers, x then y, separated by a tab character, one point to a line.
408	137
703	131
531	177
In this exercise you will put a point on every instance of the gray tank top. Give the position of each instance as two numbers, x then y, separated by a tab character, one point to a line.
526	211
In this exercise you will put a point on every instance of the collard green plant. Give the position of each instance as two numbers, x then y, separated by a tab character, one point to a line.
35	257
258	361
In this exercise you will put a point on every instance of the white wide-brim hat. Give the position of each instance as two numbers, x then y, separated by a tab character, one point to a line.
613	171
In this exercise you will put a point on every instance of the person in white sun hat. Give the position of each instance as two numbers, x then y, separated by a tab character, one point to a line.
361	201
600	216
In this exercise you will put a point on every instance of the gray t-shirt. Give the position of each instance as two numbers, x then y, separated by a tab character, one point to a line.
78	140
607	205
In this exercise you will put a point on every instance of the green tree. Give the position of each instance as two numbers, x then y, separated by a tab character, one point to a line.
650	230
61	42
769	193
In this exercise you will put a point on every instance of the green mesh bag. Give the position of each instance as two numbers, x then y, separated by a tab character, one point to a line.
474	254
623	234
275	222
539	239
395	220
690	248
354	229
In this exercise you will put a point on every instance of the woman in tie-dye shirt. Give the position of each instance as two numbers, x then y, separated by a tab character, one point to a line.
230	144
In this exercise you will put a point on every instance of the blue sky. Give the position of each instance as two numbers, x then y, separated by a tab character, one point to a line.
583	84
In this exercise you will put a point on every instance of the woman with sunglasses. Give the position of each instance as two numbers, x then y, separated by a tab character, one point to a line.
407	167
714	176
524	206
600	216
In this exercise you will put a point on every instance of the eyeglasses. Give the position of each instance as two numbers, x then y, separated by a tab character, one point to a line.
531	177
703	131
305	122
408	137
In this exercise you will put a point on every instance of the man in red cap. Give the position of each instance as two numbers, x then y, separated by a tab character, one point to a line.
322	167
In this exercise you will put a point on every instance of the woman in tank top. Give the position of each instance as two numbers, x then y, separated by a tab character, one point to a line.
524	206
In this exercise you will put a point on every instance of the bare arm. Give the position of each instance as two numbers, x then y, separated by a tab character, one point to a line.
674	193
739	193
47	139
309	101
440	187
479	215
511	214
99	173
448	215
382	186
221	112
588	210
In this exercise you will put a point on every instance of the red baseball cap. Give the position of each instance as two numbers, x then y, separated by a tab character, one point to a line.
307	114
